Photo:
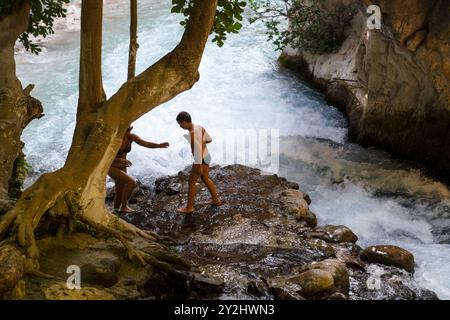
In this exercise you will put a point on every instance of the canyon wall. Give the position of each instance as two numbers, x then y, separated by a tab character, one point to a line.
393	83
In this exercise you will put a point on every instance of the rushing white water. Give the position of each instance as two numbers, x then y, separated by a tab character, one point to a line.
242	87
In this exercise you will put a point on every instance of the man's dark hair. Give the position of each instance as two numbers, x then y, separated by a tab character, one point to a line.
183	116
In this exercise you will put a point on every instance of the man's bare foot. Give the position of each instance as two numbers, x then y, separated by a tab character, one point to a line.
214	203
126	210
185	210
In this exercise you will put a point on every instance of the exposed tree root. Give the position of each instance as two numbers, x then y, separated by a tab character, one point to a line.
155	254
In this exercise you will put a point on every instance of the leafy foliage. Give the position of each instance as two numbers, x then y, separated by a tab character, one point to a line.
295	23
42	16
228	15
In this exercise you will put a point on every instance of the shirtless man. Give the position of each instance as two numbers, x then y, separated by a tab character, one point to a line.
198	137
124	183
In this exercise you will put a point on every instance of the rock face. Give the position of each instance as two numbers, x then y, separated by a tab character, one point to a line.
389	255
393	83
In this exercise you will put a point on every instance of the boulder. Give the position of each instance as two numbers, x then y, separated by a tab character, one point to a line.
296	203
389	255
314	282
334	234
338	271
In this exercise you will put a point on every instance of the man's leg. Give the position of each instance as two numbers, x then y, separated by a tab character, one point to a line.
210	185
193	177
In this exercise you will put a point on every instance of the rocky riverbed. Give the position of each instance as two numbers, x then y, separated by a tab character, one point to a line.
262	243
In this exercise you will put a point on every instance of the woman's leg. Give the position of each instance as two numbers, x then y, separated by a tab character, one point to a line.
127	183
118	195
210	185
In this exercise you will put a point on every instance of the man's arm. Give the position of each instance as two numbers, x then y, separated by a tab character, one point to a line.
207	137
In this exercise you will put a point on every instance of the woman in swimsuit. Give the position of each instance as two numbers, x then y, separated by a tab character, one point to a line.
124	183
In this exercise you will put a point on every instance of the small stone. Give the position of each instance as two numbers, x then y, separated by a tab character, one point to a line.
160	185
334	234
389	255
173	189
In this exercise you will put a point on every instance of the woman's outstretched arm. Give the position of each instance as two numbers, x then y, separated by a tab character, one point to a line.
148	144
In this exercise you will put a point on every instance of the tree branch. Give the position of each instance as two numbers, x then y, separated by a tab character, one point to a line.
133	40
171	75
90	83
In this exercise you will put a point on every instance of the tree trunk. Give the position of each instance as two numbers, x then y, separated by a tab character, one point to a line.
78	189
17	107
133	40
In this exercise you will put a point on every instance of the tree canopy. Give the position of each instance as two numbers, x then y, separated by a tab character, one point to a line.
44	12
228	15
298	23
42	17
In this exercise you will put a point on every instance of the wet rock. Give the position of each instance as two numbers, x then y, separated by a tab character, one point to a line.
255	289
322	246
350	257
338	271
205	285
12	265
334	234
334	267
389	255
161	185
295	203
314	282
167	186
173	189
61	292
283	289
